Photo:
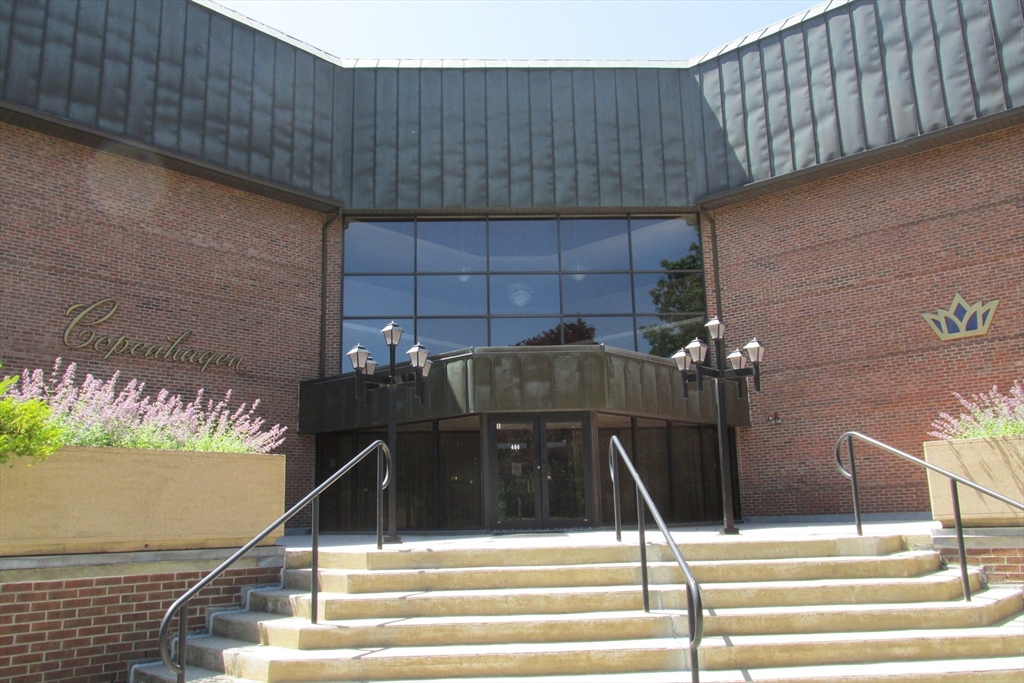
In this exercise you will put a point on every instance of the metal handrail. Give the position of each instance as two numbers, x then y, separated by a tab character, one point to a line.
954	479
181	604
694	606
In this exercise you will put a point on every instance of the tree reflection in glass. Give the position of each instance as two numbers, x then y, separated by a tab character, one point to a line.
578	332
680	290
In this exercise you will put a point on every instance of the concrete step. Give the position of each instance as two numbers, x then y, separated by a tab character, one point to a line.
273	664
299	633
158	673
902	564
860	610
987	608
990	670
392	557
789	650
939	586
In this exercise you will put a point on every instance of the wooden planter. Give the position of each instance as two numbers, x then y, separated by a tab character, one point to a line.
96	500
995	463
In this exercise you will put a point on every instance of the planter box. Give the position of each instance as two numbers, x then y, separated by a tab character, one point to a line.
97	500
996	463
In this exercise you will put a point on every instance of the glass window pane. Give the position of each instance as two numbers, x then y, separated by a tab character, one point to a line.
525	331
367	333
416	500
375	294
380	247
447	246
596	294
524	245
451	295
524	294
565	456
594	244
663	336
517	495
669	292
617	332
459	476
666	239
441	335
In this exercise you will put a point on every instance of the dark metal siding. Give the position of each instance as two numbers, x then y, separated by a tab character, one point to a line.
834	82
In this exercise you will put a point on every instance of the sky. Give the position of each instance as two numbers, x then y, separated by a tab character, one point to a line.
518	29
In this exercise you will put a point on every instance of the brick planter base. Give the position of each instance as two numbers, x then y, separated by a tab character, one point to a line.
90	629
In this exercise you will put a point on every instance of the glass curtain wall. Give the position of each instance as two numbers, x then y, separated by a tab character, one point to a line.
631	283
439	484
678	464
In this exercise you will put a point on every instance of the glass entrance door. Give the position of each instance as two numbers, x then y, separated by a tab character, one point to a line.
540	473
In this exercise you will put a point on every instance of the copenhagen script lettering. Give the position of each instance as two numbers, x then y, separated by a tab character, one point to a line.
79	334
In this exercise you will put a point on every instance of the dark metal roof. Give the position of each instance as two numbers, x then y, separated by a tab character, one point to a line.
831	84
531	379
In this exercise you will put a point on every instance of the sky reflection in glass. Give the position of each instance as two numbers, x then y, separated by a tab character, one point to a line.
596	294
440	335
379	247
658	239
524	245
447	246
451	295
375	294
594	244
524	294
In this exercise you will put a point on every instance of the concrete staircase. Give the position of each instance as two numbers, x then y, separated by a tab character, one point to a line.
815	608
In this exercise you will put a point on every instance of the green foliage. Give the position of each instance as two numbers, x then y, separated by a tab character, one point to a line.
26	429
677	293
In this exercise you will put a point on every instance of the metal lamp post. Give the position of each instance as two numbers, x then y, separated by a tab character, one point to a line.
741	367
364	364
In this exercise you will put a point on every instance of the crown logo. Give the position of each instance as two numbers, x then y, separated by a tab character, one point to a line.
962	319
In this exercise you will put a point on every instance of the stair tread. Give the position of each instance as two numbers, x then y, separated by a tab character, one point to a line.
193	674
275	653
1013	627
934	577
390	622
981	600
930	670
760	562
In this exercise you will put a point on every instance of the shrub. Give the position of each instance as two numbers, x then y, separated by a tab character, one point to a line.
95	414
26	428
991	414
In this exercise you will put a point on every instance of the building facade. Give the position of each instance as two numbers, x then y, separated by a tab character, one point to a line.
178	176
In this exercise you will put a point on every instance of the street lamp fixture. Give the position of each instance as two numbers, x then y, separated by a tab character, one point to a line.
363	364
740	367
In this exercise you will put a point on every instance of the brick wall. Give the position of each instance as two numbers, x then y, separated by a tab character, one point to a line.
833	277
1002	565
89	630
242	272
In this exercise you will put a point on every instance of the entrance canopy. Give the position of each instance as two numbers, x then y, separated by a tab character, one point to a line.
521	379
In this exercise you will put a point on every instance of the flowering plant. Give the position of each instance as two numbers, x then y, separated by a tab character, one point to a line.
95	414
991	414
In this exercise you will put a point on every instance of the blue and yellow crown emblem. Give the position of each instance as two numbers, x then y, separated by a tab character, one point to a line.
962	319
